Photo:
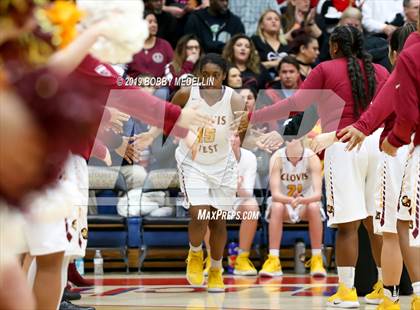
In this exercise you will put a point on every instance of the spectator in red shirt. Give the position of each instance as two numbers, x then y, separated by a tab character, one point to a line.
240	51
154	56
187	52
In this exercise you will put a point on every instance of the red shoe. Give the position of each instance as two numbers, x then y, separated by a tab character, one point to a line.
74	277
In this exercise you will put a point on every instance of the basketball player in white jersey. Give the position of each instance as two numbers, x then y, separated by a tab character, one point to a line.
208	168
296	189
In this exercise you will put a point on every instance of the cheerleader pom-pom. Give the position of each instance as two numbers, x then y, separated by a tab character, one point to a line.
123	33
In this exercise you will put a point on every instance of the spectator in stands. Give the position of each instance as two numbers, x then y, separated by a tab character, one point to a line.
249	11
240	52
180	8
187	52
288	79
233	78
374	44
298	15
287	82
270	41
378	14
351	17
154	56
214	26
411	10
410	14
249	95
306	50
167	24
244	205
296	190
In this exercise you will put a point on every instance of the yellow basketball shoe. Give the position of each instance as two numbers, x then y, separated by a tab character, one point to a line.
244	266
376	296
271	267
388	304
317	266
344	298
195	268
415	303
207	264
215	281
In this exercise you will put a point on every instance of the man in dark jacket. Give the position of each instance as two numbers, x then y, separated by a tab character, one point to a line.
214	25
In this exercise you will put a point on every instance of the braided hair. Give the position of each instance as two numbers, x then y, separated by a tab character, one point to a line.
350	42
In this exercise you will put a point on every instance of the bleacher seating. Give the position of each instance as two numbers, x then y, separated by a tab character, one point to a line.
108	230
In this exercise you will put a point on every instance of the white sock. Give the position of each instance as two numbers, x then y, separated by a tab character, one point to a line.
274	252
416	288
196	248
379	273
346	276
316	252
32	273
216	263
392	292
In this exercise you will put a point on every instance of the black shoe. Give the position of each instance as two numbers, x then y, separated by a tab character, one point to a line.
67	305
70	295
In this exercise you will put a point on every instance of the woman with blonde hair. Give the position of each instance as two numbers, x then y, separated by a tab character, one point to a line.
240	51
270	41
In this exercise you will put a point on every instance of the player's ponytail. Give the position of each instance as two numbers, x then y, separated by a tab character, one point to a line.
400	35
368	65
350	42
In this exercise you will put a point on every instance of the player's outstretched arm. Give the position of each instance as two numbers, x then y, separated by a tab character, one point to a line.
64	61
322	141
299	101
145	139
353	136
